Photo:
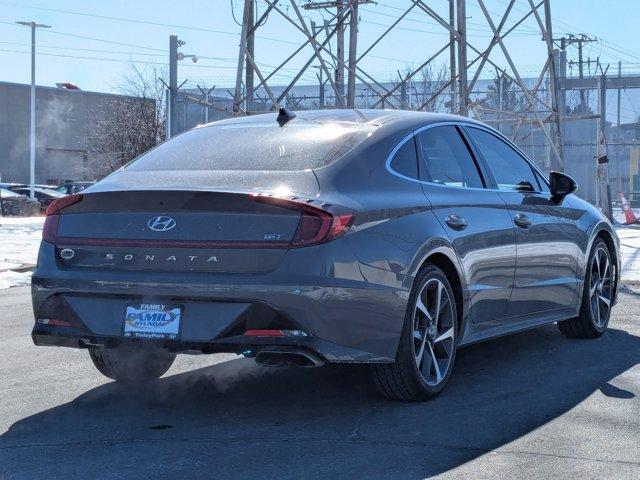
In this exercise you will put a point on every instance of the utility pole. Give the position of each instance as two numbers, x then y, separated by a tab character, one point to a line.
618	138
580	40
353	44
353	48
173	85
562	67
583	108
248	82
452	53
463	95
339	52
603	187
32	155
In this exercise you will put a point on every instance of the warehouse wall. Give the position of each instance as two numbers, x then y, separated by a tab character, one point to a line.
64	121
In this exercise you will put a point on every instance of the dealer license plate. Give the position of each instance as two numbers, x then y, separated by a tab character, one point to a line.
151	320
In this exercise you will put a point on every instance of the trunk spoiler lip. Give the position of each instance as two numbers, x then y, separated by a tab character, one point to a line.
187	189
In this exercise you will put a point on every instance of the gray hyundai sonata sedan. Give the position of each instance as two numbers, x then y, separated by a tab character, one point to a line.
388	238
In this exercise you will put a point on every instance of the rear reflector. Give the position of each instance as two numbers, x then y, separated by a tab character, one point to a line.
263	333
54	322
50	227
317	225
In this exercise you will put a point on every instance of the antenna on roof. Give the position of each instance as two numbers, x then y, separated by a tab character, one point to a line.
285	116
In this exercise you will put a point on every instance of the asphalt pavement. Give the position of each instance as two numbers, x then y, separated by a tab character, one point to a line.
531	405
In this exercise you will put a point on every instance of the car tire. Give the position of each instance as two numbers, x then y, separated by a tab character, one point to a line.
132	363
416	376
597	296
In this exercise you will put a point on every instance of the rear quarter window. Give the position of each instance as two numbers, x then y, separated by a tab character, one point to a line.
255	146
405	159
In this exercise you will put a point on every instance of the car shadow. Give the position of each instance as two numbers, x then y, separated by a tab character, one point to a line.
238	420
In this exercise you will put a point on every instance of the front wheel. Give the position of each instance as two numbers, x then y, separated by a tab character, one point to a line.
597	296
132	363
427	349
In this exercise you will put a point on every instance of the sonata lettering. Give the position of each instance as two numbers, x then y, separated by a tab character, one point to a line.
130	257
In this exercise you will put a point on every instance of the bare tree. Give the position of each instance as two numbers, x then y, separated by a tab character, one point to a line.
129	124
576	105
426	84
513	99
295	103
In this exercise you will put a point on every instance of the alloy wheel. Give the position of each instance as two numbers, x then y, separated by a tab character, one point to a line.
600	287
433	332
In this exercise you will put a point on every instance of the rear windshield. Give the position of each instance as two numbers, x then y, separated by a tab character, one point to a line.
255	146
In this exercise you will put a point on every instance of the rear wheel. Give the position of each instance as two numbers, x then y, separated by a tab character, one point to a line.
427	349
132	363
597	296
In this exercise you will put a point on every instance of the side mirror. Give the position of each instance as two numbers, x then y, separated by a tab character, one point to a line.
561	184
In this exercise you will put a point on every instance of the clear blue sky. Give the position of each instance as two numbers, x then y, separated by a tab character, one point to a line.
210	31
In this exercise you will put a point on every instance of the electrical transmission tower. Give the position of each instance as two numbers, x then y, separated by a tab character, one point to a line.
467	60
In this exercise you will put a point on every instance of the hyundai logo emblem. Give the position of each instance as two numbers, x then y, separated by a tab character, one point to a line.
161	224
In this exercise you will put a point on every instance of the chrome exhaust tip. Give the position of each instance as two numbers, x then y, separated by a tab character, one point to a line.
288	358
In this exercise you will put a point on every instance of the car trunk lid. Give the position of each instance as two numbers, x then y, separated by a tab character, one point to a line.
176	230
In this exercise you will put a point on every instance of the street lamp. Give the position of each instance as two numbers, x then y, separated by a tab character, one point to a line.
32	169
174	56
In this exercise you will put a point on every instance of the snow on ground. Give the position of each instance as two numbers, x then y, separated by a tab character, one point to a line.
10	279
20	238
19	241
630	250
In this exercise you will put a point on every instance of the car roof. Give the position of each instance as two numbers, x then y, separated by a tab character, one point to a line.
364	116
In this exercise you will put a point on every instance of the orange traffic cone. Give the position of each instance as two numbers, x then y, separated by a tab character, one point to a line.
629	216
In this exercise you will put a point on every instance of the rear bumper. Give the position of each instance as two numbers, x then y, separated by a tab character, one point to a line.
354	319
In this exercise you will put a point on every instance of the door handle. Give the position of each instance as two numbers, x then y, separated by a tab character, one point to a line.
456	222
522	221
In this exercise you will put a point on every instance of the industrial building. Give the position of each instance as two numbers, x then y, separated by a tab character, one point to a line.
65	122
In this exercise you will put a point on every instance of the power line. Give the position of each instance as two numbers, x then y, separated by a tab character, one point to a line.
424	18
144	62
118	19
142	22
115	59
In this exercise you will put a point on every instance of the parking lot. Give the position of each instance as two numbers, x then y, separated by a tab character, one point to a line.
530	405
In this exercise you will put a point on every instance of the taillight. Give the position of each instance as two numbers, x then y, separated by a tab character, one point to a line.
50	227
56	206
317	225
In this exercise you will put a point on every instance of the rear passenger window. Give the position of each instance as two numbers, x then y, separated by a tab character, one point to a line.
447	158
405	160
511	171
